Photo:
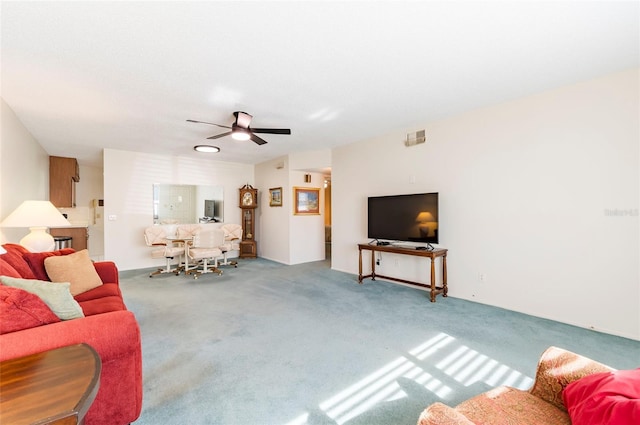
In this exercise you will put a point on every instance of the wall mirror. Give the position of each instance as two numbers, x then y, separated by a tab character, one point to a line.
186	204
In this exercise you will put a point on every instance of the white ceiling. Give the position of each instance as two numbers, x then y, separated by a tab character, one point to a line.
83	76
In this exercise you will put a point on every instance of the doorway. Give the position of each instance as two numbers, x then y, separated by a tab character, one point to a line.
327	217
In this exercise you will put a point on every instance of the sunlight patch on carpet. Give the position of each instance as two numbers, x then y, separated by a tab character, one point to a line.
463	365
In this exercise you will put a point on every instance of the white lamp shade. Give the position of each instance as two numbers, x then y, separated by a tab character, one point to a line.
37	216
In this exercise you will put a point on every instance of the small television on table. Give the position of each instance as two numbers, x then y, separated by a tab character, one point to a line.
403	218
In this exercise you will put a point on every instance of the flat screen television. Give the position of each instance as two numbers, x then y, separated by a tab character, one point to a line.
406	218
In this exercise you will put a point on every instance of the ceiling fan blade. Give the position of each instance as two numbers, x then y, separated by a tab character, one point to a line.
258	140
210	123
217	136
242	119
271	130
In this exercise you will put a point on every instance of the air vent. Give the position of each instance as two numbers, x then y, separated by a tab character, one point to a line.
415	138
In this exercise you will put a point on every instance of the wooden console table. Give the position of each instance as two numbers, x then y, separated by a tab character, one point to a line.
53	387
433	254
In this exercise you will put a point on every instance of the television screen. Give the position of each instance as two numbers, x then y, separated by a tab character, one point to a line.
411	218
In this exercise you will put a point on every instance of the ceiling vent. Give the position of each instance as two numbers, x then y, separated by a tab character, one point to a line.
415	138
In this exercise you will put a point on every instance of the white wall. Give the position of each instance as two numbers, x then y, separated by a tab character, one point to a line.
306	236
283	236
526	189
90	187
24	170
128	196
272	223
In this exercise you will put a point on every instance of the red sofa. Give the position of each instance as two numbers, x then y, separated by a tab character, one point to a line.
108	327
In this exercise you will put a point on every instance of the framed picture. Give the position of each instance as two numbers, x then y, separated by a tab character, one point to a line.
306	200
275	197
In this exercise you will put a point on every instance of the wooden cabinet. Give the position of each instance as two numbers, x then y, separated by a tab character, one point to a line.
79	235
64	173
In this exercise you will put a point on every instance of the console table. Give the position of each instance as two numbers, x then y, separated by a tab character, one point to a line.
53	387
433	254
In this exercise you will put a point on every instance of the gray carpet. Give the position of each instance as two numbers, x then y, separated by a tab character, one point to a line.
272	344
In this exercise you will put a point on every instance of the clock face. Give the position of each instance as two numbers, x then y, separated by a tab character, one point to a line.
247	199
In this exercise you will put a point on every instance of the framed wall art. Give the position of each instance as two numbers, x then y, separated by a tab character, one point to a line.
275	197
306	200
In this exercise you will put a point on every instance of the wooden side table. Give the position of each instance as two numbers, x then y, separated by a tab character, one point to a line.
54	387
432	254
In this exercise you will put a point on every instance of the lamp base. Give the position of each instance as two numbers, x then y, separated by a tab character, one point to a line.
39	240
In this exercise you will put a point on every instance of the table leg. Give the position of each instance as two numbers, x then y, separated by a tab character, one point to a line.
373	265
445	289
433	281
359	266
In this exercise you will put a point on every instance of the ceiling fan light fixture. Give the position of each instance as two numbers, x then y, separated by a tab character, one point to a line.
206	148
240	135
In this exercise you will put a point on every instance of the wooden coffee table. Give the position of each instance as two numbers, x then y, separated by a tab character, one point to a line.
54	387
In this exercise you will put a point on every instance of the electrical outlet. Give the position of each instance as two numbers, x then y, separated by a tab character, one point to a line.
482	277
395	263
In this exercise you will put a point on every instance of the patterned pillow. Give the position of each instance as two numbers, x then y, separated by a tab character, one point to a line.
608	398
76	268
20	310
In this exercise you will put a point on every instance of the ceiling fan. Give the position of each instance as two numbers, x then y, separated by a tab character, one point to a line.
240	129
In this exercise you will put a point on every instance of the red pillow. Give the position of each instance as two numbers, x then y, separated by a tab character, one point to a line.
20	309
13	256
607	398
7	270
36	261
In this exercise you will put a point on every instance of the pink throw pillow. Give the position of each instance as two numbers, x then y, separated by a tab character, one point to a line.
20	309
76	268
607	398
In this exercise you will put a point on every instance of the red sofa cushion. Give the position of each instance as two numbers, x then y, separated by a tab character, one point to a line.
7	270
20	310
36	261
13	256
103	299
608	398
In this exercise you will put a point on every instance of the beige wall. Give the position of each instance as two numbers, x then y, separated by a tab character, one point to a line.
24	170
526	188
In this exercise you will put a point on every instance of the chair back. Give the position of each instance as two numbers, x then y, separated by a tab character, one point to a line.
232	231
155	235
187	230
208	238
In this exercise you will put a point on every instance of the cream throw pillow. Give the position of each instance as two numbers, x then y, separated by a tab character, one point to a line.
76	268
55	295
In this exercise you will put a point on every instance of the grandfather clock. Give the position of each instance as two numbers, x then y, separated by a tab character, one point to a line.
248	205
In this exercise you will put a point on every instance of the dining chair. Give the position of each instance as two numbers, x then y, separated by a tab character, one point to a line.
156	238
205	251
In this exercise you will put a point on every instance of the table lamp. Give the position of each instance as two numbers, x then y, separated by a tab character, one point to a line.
37	216
424	218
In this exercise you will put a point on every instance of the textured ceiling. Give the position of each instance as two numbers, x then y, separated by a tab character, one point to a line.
83	76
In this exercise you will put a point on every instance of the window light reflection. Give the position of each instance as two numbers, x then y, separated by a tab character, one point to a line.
462	365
